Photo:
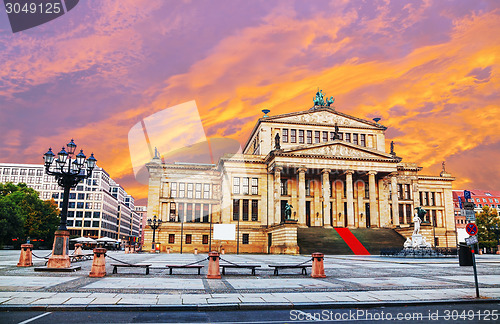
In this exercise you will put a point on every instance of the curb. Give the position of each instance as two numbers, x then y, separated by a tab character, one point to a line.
244	306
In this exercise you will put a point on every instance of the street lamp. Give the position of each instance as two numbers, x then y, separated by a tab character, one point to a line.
68	172
154	224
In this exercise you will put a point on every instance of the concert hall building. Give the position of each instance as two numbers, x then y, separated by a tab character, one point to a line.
332	168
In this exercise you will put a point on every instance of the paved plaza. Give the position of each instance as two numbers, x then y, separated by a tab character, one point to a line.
350	280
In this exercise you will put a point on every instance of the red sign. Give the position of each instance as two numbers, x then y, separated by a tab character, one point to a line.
471	229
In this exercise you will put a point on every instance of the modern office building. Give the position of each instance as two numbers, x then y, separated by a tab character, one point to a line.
143	215
333	169
98	206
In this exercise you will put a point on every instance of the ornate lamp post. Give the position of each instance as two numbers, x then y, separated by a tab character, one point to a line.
68	172
154	224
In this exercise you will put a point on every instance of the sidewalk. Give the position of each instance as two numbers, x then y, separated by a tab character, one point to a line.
351	281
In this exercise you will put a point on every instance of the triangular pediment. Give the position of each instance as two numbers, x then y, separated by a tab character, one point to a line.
341	149
324	116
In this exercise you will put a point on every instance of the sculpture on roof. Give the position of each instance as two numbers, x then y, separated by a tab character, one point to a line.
336	134
392	148
157	155
330	101
277	145
319	100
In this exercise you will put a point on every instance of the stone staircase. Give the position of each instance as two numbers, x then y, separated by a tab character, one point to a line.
328	241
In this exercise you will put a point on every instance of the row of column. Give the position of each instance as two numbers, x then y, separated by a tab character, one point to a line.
326	195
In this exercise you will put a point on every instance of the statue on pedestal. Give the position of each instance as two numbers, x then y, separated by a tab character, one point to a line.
416	224
277	145
288	211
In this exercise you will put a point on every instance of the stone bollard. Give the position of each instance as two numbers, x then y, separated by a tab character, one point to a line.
126	249
25	259
195	250
99	264
213	265
318	269
168	250
222	251
78	249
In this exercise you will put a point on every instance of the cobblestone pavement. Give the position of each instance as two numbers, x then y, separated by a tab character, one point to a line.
350	279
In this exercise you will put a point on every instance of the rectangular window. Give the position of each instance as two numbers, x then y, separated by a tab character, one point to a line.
197	213
341	136
55	195
31	172
400	191
79	214
23	172
245	209
204	239
81	196
408	214
72	195
15	171
88	214
172	212
362	139
347	137
255	186
180	211
355	139
97	214
171	238
245	185
190	190
367	190
308	187
79	205
285	136
205	213
316	136
284	187
255	210
86	224
88	205
236	185
309	137
70	223
293	136
189	213
236	209
325	136
182	190
432	199
39	173
407	192
95	224
206	191
188	238
301	136
332	136
198	191
173	189
245	239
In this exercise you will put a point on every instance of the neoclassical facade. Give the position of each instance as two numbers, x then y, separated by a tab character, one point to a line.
332	168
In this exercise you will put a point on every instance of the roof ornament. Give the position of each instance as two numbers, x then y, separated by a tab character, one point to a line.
157	155
319	100
265	111
336	134
392	149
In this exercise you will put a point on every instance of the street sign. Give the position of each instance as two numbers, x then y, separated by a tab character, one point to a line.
467	195
471	229
470	216
471	240
468	205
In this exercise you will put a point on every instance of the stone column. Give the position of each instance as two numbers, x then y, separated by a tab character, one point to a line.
360	221
277	195
326	197
349	198
383	203
301	210
374	219
395	204
340	204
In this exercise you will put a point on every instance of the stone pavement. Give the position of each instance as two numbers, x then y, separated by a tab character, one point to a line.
351	280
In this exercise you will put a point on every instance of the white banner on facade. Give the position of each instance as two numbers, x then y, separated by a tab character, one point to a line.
225	232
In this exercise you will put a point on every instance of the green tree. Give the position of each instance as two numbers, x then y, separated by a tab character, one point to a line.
486	222
23	214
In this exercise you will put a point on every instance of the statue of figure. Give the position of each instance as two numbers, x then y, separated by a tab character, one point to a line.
330	101
416	224
288	211
336	134
277	141
443	164
392	148
157	155
408	243
318	101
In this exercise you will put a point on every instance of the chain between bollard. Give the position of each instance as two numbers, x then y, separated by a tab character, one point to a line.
45	257
311	259
228	261
106	255
199	261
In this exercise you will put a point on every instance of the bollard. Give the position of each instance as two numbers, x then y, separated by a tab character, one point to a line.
99	264
195	250
318	269
127	249
213	265
78	249
25	259
168	250
222	251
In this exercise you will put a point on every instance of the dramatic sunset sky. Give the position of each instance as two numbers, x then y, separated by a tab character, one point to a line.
429	69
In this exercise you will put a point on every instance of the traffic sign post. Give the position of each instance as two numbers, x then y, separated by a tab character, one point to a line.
471	229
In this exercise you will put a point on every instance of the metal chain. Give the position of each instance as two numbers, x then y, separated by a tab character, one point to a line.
105	254
45	257
199	261
304	262
228	261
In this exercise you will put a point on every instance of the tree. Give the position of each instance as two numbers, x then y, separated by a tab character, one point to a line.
486	222
23	214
